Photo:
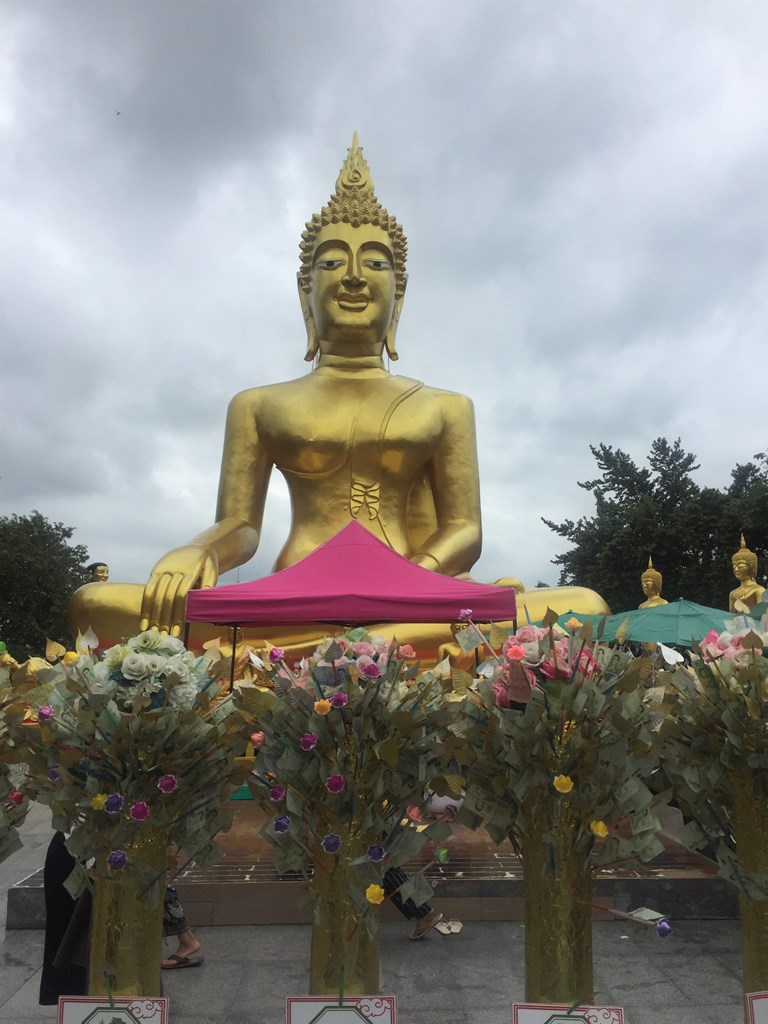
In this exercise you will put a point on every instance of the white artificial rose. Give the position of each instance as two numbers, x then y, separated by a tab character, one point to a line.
155	664
189	658
134	666
114	656
183	695
177	666
533	654
149	640
172	645
100	681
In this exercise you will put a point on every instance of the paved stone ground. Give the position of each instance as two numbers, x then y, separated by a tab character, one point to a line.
692	977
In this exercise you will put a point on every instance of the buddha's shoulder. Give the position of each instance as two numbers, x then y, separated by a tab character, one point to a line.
452	401
263	394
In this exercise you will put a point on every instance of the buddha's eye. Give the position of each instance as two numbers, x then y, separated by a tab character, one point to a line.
378	264
328	264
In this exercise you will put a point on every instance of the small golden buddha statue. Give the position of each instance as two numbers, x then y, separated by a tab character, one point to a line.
352	440
749	591
99	572
651	581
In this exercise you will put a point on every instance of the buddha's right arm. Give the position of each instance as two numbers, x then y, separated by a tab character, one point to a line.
234	537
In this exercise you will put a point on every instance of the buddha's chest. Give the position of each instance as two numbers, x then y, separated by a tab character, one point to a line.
374	432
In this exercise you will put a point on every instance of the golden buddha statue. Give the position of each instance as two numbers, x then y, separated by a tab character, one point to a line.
651	581
351	440
99	572
749	591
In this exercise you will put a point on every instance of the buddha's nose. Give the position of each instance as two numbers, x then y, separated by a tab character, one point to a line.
354	275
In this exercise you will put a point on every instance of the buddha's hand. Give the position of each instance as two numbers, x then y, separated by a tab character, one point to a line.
165	595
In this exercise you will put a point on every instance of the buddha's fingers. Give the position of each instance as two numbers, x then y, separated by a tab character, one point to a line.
148	602
176	590
155	612
178	608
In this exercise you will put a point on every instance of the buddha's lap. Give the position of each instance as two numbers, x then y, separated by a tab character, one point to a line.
112	611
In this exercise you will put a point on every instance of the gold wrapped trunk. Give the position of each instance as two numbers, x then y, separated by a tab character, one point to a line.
340	941
750	829
127	922
558	920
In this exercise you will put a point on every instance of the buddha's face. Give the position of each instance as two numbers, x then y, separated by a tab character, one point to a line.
741	569
100	574
649	587
352	296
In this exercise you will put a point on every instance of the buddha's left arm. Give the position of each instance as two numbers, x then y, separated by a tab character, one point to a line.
454	547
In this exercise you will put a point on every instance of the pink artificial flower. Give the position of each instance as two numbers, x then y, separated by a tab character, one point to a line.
550	671
515	652
276	654
587	663
339	700
276	794
367	667
257	740
499	688
139	811
45	713
528	635
710	638
414	812
465	615
167	783
335	783
406	651
363	648
308	741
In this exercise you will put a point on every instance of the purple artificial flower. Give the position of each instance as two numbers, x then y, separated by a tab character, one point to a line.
53	774
167	783
663	928
139	811
114	803
335	783
465	615
339	700
308	741
45	713
276	794
276	654
370	670
331	843
282	825
117	860
376	853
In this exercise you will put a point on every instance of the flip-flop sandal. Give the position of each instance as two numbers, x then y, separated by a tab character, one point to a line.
456	927
444	927
182	961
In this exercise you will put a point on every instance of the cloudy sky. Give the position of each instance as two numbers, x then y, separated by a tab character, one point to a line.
584	186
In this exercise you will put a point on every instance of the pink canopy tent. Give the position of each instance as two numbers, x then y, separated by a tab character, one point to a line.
351	579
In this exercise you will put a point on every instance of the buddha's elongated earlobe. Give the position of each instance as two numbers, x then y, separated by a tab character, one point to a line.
313	344
389	337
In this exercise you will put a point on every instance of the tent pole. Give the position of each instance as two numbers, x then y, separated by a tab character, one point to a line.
234	655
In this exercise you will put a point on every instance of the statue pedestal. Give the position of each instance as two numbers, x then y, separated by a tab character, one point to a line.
481	882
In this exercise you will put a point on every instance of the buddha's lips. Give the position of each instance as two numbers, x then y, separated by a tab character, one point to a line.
353	302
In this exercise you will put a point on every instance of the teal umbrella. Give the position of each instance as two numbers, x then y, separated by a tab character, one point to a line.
680	623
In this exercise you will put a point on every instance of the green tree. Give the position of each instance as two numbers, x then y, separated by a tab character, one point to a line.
691	532
39	570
